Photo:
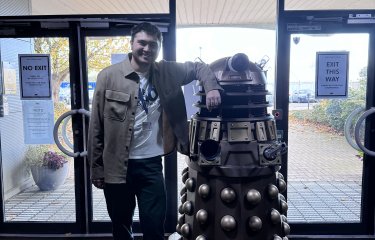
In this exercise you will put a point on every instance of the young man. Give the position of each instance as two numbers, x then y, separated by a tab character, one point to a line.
138	115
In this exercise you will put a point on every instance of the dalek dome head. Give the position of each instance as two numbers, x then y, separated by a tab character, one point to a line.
238	62
237	68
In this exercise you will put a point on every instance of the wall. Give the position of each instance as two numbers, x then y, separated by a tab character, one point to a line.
15	7
15	174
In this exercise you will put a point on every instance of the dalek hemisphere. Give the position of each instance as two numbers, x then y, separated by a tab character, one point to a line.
232	184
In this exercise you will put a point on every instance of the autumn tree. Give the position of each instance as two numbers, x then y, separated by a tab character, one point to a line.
98	55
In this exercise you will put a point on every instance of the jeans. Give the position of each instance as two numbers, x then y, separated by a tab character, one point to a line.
144	182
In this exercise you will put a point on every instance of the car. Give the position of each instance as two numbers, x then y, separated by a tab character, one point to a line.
303	96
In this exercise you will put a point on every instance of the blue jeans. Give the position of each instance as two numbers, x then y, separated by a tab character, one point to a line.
146	182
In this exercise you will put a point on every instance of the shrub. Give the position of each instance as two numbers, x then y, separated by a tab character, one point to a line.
334	112
53	160
43	156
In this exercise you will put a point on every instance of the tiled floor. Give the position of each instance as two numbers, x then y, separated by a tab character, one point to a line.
324	185
324	201
311	202
35	205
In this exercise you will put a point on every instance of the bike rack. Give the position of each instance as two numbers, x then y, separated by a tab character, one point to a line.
56	128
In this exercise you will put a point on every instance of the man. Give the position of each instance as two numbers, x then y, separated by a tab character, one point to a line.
138	115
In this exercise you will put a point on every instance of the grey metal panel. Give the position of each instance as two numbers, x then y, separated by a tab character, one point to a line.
14	8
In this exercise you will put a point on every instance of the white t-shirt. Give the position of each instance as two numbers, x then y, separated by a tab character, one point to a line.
147	139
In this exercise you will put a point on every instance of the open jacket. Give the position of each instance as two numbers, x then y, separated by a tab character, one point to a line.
113	112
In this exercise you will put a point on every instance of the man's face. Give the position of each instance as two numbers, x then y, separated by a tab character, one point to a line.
145	48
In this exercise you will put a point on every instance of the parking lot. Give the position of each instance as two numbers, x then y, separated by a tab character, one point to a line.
301	106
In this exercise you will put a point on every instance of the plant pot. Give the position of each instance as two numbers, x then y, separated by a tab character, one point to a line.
49	179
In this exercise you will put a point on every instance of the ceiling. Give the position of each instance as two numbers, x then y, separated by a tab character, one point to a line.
194	13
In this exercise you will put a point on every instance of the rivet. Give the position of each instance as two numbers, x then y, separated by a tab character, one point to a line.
255	223
185	230
228	223
201	216
228	195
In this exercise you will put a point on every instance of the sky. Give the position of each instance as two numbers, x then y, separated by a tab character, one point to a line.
304	53
213	43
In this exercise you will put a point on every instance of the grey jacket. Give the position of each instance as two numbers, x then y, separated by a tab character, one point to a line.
113	112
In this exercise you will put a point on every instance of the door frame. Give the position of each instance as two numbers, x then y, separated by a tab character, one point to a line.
76	29
326	22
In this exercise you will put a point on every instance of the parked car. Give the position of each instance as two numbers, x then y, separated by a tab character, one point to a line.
302	96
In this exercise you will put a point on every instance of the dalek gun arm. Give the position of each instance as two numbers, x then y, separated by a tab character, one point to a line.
277	149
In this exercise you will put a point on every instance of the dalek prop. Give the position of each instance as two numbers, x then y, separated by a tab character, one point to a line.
232	187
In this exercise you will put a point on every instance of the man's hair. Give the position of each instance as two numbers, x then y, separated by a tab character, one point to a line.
148	28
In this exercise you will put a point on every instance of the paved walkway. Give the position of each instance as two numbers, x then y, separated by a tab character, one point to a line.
324	177
316	155
324	185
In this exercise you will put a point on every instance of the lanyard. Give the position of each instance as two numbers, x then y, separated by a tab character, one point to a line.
143	101
151	95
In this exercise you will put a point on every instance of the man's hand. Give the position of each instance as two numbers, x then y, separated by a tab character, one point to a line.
99	183
213	99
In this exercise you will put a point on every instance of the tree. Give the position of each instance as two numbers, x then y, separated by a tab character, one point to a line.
99	50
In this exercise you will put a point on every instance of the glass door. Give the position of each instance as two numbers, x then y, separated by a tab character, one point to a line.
46	189
102	49
43	189
38	180
328	179
102	52
324	172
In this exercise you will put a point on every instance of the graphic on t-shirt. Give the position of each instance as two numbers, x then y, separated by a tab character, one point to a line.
147	114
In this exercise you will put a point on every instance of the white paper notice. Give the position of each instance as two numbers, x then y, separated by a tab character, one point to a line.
332	74
35	76
38	121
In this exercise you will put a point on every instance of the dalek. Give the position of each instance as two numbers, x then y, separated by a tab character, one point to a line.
232	188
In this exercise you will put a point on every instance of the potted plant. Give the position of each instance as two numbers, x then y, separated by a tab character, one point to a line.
49	168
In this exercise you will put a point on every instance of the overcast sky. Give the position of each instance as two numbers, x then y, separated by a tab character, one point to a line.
213	43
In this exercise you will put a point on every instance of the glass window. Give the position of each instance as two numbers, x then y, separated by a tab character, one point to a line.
216	43
38	179
102	52
324	171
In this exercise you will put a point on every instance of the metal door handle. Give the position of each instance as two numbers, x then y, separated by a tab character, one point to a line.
348	127
56	128
357	128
